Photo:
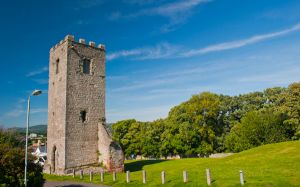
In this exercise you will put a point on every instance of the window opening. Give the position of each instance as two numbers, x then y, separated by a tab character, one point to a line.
86	66
83	116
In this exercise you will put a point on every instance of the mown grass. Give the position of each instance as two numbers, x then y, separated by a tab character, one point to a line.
269	165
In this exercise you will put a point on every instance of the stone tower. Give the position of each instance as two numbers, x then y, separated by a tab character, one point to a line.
77	137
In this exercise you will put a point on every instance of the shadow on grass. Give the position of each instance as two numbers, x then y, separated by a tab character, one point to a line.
138	165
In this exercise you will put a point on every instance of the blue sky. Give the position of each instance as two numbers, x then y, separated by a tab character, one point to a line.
159	52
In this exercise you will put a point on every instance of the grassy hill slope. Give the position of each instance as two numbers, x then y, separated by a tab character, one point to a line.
269	165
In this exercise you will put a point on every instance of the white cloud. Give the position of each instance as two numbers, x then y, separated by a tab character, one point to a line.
141	2
86	4
144	114
20	109
178	76
116	77
179	91
176	12
166	93
194	70
124	53
170	10
38	110
41	81
165	50
285	76
145	84
16	112
160	51
240	43
37	72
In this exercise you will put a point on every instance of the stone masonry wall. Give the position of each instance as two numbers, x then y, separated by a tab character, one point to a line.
111	154
73	143
57	108
85	92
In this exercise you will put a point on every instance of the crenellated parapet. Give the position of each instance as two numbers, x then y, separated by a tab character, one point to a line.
71	38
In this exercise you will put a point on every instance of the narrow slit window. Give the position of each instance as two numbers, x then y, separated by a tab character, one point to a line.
86	66
57	66
83	116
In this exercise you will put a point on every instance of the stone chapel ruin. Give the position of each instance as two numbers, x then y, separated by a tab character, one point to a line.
77	137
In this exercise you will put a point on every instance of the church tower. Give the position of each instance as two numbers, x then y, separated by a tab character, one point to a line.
76	136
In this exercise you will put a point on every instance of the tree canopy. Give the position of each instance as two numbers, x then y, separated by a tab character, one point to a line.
209	123
12	162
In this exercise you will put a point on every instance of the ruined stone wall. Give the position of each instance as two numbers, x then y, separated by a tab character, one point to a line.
111	154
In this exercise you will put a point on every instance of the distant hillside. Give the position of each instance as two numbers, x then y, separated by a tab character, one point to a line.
42	129
38	129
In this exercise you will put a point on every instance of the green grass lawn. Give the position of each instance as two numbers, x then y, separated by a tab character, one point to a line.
269	165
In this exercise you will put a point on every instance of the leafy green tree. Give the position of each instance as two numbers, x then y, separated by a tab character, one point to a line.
274	96
196	124
257	128
169	143
120	131
151	138
208	123
290	105
12	163
12	138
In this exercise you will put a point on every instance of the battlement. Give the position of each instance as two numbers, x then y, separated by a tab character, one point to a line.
81	41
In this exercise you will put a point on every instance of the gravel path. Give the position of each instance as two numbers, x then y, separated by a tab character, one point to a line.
69	184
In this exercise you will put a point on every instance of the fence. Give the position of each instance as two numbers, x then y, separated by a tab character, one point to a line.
163	176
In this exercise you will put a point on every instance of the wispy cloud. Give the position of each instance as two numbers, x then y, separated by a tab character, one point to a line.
142	2
147	114
176	12
16	112
240	43
162	50
172	51
20	109
37	72
285	76
179	76
41	81
81	22
146	84
165	93
168	91
39	110
117	77
85	4
170	10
